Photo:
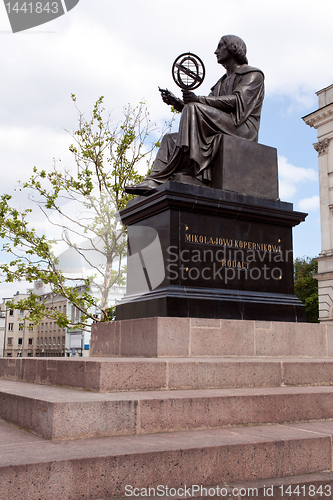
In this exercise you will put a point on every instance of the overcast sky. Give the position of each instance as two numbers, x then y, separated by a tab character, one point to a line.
125	50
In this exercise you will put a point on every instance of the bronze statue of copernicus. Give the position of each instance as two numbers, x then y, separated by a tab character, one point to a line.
233	107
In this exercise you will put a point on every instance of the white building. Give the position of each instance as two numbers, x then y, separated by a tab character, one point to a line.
19	336
2	328
322	121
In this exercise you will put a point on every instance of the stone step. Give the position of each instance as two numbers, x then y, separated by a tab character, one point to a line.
133	374
58	413
33	468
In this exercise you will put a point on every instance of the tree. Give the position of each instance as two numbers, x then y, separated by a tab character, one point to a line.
306	287
106	158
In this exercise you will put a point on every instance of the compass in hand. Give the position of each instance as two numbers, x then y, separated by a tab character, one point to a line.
188	71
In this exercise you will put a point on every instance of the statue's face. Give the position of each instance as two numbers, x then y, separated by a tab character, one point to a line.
221	52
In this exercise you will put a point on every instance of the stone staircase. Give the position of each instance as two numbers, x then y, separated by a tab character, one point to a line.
250	426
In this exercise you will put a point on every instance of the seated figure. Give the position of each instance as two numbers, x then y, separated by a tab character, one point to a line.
233	107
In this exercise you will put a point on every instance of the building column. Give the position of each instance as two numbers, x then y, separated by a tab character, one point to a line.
322	121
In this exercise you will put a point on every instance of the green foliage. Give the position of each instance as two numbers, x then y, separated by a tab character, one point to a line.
306	287
106	159
175	111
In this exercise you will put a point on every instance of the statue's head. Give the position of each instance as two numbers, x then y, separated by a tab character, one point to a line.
236	47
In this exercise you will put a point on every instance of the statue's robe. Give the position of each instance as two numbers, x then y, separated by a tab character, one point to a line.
233	107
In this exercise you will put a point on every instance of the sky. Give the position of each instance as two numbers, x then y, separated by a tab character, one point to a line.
125	50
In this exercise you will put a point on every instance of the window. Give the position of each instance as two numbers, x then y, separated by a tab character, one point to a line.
46	326
21	326
10	341
45	341
42	327
50	341
11	312
30	341
41	341
63	340
9	354
20	341
54	341
37	341
58	340
64	308
21	312
10	326
31	327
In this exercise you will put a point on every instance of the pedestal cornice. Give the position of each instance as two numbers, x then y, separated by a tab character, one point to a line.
176	195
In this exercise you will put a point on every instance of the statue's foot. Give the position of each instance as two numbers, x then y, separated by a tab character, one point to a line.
144	188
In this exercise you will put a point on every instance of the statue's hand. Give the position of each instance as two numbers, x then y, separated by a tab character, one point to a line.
168	97
189	96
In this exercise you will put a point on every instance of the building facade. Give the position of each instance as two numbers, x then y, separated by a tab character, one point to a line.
2	329
23	338
19	335
322	121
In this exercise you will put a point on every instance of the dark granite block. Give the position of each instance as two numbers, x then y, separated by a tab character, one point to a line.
201	252
246	167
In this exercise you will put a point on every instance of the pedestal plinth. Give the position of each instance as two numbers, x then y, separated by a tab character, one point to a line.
209	253
246	167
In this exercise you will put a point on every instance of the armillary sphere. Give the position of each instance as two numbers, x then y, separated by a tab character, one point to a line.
188	71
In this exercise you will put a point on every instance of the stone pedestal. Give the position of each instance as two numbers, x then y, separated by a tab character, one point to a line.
210	253
202	337
246	167
246	405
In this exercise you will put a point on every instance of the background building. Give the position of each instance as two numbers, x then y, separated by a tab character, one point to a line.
2	328
23	338
19	336
322	121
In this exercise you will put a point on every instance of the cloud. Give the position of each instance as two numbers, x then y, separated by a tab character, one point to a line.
284	57
22	148
309	204
8	290
290	177
125	51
